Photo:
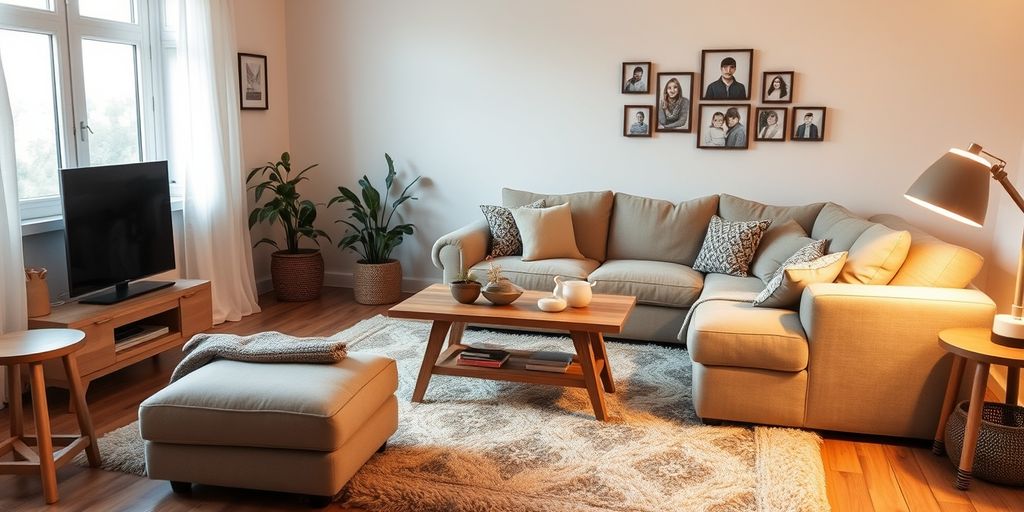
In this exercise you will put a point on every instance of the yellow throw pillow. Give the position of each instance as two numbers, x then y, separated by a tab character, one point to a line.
547	233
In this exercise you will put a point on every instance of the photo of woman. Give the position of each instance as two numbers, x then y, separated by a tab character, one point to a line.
771	124
674	93
723	126
777	87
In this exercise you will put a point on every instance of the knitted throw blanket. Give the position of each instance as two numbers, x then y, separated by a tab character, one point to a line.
264	347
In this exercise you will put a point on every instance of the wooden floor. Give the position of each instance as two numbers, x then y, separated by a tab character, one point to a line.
862	473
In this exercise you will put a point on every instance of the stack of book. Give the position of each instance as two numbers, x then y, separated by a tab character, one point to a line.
544	361
488	358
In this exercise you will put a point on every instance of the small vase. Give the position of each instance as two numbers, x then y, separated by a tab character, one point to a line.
38	294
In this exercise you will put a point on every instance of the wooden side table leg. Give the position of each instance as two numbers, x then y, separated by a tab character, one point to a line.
47	467
963	473
956	374
595	389
1012	384
601	352
438	331
77	391
14	400
456	332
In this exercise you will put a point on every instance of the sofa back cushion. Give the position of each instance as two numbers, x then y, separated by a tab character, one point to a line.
591	212
657	230
876	252
776	246
734	208
839	225
930	261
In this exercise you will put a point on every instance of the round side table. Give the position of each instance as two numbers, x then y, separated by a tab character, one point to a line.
975	344
33	348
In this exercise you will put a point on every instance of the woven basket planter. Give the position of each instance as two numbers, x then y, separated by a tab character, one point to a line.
1000	454
297	277
378	283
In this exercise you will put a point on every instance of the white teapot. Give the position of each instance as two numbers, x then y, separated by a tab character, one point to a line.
575	293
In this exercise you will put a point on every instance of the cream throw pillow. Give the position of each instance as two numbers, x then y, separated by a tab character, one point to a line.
876	256
547	233
785	289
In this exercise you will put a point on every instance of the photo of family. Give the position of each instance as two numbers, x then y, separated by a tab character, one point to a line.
771	124
808	124
636	121
675	91
635	77
726	74
723	126
777	87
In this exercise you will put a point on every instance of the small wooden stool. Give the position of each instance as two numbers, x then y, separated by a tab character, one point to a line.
33	348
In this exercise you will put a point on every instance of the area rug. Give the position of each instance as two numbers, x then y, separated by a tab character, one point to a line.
476	445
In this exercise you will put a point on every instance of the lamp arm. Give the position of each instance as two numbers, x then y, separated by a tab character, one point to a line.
999	174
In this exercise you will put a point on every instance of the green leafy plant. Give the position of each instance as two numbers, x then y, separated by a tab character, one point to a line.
372	236
296	215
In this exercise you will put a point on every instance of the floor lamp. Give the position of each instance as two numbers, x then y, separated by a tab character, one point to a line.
956	186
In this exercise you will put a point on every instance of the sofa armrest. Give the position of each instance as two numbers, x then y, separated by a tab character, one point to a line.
874	363
461	249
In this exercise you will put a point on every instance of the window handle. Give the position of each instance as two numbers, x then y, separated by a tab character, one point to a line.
82	127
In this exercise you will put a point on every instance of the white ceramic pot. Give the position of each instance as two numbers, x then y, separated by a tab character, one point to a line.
576	293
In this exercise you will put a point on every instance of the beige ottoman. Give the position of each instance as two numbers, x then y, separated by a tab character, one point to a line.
301	428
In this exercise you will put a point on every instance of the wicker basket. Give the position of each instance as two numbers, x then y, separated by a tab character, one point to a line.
297	277
1000	454
378	283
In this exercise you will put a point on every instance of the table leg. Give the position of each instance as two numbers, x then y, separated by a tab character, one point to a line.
77	392
585	354
956	374
456	332
47	467
601	353
1012	384
14	400
963	473
438	331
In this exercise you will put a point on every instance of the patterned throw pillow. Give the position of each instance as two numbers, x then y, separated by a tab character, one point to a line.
784	290
809	252
505	238
729	246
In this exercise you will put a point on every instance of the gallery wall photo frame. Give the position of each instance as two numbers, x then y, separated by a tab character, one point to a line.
636	78
777	86
636	120
252	82
771	123
716	64
674	103
723	126
808	124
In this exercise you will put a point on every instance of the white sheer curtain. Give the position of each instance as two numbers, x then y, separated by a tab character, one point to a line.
13	308
209	149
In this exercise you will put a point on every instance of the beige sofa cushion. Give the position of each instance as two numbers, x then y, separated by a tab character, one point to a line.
776	246
840	226
723	285
785	288
539	275
736	334
657	283
930	261
875	256
591	213
283	405
736	208
546	232
654	229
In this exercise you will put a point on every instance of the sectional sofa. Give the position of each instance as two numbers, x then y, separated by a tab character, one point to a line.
858	355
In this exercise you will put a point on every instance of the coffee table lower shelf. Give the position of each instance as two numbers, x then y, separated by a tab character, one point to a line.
514	370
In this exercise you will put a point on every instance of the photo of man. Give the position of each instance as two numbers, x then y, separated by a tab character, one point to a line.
634	77
636	120
808	124
726	74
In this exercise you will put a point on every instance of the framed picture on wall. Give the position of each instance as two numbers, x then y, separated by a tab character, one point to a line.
723	126
674	103
777	87
252	81
808	124
636	121
771	124
636	77
726	74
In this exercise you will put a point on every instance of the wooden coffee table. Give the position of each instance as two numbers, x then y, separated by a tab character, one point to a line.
590	368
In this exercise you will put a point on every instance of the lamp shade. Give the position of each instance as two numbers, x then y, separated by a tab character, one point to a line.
956	185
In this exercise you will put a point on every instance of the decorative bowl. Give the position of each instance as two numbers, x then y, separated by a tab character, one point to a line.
465	292
502	298
551	304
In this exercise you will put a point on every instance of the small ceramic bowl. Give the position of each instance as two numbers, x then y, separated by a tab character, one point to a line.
551	304
502	298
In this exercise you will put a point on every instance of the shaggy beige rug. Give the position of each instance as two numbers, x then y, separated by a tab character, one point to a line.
477	445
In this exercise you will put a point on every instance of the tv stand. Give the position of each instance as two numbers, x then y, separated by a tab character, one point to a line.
184	308
125	290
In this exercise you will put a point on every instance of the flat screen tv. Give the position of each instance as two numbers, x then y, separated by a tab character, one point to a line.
117	228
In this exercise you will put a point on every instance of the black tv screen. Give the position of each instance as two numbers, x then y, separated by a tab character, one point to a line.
117	224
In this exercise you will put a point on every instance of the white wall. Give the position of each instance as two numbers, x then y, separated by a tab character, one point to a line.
480	95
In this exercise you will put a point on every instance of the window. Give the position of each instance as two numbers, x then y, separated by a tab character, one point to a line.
85	81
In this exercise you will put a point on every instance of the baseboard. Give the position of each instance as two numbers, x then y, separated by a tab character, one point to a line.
345	280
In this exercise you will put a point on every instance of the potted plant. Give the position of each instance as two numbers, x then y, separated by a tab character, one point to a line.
378	277
465	288
297	273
